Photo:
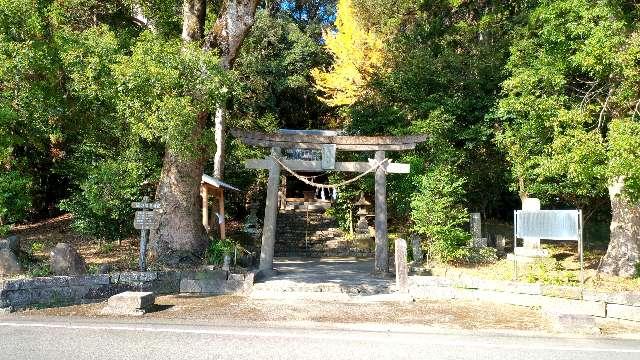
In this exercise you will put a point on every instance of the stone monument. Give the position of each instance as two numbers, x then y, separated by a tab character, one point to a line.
402	271
475	225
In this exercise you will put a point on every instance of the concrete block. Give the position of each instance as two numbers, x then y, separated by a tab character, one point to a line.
219	275
624	312
236	277
129	303
46	282
89	280
500	297
137	276
631	298
567	306
567	292
429	281
522	288
574	323
432	292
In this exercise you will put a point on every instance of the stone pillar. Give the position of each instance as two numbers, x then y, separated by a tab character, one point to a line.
402	279
475	225
500	243
270	215
416	245
382	242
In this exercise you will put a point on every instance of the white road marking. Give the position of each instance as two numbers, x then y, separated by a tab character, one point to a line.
340	337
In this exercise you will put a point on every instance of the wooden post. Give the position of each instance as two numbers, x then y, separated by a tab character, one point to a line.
221	212
270	215
205	206
213	218
382	242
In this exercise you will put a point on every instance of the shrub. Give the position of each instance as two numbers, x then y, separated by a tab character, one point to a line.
438	216
103	206
15	196
217	249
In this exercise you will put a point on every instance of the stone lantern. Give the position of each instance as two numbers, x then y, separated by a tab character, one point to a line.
362	226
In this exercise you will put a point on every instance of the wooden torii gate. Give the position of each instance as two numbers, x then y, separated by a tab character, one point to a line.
328	142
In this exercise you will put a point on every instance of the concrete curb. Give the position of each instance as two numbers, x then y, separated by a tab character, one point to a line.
565	300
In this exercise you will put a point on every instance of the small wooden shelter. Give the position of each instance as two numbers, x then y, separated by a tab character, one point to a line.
327	142
210	186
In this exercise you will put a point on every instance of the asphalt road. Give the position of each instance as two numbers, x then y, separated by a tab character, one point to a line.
101	339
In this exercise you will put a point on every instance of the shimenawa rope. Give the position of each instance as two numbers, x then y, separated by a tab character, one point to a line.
328	186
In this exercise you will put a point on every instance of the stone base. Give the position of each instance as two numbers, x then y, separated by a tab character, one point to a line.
523	254
531	252
130	303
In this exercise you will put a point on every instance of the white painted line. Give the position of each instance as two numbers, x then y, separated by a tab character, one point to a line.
306	335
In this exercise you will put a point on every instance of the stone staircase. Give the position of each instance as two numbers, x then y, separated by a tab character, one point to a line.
313	234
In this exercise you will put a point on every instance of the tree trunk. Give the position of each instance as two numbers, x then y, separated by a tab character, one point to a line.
623	254
230	29
181	239
218	158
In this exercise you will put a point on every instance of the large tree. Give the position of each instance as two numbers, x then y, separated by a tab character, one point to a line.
181	239
570	112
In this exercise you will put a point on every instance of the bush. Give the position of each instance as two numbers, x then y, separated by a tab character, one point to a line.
15	196
438	216
217	249
103	206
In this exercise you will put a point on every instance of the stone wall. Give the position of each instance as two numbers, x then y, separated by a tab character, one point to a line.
550	298
67	290
323	236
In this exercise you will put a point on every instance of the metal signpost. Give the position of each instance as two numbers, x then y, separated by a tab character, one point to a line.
145	219
549	225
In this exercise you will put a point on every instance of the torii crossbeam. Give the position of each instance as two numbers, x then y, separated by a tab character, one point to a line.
328	142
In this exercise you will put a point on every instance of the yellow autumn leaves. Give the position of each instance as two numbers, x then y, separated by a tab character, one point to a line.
357	52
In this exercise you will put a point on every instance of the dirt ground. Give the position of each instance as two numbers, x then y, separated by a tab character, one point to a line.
38	239
464	315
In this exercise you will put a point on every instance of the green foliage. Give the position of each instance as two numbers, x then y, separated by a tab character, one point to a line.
107	247
572	71
437	214
273	70
164	85
469	255
15	196
550	272
36	247
217	250
40	269
624	154
103	206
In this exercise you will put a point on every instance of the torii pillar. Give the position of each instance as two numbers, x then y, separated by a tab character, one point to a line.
270	215
382	238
